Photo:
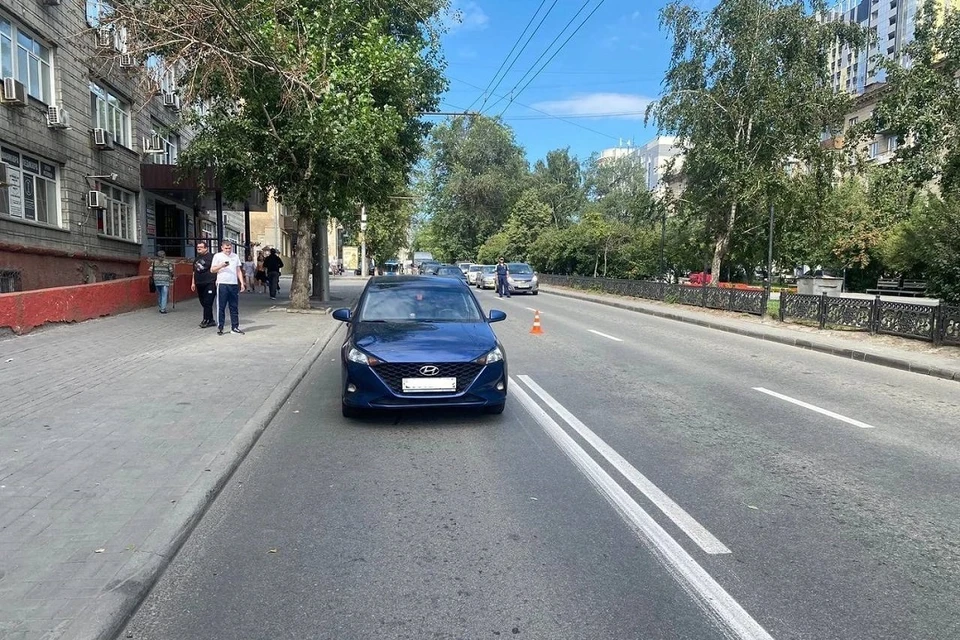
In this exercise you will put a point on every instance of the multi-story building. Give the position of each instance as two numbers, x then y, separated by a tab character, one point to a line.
657	157
89	136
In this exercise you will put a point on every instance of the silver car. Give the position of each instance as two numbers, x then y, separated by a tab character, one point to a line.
488	277
472	272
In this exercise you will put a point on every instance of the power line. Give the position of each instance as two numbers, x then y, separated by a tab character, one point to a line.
515	43
580	26
522	49
544	52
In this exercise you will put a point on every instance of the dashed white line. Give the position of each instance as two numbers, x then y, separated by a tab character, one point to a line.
693	578
807	405
604	335
696	531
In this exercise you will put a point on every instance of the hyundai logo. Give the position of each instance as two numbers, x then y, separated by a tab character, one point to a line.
429	370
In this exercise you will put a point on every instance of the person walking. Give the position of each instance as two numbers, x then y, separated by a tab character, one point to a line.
248	269
204	282
272	263
162	271
260	277
230	284
503	272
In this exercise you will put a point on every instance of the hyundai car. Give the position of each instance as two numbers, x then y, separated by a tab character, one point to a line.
522	278
415	342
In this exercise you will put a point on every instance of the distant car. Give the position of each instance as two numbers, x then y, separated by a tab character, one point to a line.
451	271
429	268
464	266
488	277
472	272
522	278
415	342
392	268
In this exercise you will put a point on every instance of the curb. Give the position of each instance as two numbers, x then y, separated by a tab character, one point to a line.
803	343
117	605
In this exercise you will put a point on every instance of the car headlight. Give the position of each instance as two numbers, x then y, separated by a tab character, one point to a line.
494	356
355	355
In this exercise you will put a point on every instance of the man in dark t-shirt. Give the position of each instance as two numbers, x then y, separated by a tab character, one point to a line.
204	283
503	272
272	263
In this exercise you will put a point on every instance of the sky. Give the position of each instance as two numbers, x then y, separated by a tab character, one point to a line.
599	82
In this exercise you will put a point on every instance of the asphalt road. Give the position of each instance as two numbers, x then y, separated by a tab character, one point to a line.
649	479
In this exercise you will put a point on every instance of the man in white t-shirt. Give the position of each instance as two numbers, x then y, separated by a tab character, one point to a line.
230	284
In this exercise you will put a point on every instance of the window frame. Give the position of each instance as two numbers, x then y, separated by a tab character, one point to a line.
30	62
108	110
118	220
35	182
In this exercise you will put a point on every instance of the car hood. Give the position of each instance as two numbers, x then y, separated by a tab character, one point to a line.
522	276
425	341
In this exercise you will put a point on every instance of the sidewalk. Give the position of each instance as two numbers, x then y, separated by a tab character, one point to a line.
890	351
114	436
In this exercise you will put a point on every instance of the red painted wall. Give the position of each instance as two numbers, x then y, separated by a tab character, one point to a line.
23	311
43	268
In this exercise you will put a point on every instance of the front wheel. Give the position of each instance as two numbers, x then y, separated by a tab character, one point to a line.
535	292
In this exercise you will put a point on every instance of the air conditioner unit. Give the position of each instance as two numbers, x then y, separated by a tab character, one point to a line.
96	200
127	61
105	37
102	139
14	93
153	144
171	100
57	117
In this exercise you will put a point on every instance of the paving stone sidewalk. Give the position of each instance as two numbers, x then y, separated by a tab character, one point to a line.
114	435
891	351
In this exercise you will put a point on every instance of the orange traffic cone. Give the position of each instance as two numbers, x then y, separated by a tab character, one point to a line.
536	324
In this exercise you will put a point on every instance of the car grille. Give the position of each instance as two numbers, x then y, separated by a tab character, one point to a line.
393	373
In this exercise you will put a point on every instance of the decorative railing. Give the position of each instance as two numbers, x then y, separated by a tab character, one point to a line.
740	300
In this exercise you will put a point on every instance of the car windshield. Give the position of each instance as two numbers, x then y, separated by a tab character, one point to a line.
489	268
474	267
449	271
518	268
419	304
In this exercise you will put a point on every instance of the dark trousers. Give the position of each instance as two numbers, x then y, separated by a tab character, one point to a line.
229	294
273	277
503	288
207	294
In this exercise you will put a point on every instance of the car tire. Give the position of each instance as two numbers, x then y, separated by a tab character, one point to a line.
495	409
534	292
350	412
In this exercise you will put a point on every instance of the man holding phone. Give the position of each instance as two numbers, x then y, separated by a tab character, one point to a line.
230	284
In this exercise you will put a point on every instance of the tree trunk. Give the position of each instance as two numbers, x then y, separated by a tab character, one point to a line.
722	245
321	263
596	265
300	290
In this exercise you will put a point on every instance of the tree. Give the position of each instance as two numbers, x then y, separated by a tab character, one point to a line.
388	229
927	245
318	102
559	183
475	173
746	91
619	189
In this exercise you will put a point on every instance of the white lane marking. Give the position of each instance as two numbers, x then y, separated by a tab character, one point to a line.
534	310
707	592
696	531
806	405
603	335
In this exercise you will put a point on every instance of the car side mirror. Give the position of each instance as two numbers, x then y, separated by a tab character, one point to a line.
343	315
497	316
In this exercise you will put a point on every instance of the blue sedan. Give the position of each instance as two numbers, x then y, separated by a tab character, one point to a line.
417	342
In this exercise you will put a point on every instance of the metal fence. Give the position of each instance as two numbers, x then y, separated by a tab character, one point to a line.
938	323
743	301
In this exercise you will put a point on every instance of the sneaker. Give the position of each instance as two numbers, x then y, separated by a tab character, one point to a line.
163	310
272	298
237	330
219	331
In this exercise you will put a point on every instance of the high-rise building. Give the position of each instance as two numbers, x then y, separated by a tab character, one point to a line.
655	157
891	24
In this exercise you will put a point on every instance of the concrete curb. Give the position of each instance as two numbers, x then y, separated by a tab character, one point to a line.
117	605
903	364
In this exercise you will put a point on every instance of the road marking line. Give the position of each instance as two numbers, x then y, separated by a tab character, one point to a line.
534	310
707	592
603	335
806	405
696	531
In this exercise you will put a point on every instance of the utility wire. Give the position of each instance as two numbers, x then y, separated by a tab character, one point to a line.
522	49
545	51
515	43
550	59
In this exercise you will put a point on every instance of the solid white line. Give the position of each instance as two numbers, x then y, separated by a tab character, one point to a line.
806	405
707	592
532	309
696	531
603	335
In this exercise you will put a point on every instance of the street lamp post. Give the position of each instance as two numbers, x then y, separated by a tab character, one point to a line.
769	278
364	270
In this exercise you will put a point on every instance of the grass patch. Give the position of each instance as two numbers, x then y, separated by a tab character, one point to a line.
773	309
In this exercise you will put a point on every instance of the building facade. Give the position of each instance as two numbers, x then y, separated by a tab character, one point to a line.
656	157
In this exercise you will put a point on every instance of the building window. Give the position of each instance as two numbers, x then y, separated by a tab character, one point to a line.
32	194
24	58
208	229
98	11
118	218
10	281
892	143
874	149
170	143
853	121
111	113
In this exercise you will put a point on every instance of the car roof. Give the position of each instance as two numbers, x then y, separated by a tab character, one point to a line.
412	282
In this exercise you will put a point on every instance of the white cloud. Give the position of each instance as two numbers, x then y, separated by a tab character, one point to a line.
598	104
467	16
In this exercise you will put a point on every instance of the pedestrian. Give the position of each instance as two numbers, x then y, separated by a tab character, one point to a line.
503	272
272	264
261	274
162	271
204	282
230	284
248	269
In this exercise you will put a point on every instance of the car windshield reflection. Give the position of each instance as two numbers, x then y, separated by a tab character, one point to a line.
519	269
407	304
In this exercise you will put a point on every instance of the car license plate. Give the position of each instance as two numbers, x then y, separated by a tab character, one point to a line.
523	285
420	385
